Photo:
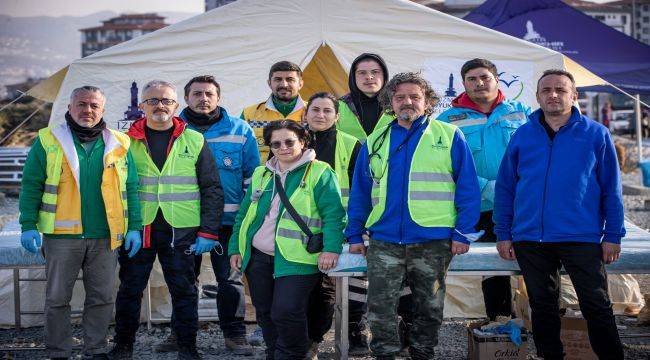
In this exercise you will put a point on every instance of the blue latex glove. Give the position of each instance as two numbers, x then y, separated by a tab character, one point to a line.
133	242
31	240
512	329
203	245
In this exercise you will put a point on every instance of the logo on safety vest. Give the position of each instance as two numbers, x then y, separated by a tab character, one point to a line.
186	154
440	145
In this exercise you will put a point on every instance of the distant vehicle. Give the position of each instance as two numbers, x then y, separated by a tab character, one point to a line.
623	122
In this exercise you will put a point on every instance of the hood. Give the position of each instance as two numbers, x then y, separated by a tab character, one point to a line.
136	130
307	156
463	101
354	90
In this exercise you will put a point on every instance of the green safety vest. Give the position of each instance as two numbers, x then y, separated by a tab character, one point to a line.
64	217
289	239
342	155
431	186
175	189
349	123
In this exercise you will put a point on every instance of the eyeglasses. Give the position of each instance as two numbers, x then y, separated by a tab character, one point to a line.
289	143
154	102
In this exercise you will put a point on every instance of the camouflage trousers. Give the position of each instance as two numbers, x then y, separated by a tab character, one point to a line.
425	267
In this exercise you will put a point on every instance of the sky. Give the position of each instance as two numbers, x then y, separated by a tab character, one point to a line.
85	7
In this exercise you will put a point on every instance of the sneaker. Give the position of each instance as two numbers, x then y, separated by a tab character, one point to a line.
168	345
238	345
188	353
256	338
312	353
358	344
121	352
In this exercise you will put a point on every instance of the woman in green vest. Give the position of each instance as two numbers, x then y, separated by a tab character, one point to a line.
270	247
339	150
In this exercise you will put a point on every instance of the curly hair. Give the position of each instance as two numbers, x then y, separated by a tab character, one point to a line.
430	96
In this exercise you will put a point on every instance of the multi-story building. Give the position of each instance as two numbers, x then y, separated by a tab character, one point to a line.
617	17
119	29
212	4
640	10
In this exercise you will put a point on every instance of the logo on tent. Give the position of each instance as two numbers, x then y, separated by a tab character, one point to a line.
536	38
512	82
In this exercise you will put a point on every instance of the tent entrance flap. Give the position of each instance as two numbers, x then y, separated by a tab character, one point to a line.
324	73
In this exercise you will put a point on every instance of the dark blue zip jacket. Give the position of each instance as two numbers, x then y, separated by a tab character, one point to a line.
396	224
567	189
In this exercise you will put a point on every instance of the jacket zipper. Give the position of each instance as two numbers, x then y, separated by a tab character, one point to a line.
548	166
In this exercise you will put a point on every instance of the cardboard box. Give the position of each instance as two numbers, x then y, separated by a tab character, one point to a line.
494	347
576	339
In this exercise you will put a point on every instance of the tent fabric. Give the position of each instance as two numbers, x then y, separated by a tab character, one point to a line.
621	60
48	89
238	43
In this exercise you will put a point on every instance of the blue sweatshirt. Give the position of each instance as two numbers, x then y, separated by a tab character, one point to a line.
396	224
567	189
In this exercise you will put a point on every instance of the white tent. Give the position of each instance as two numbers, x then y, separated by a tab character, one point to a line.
238	42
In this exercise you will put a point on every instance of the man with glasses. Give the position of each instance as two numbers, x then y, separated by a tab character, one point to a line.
415	190
182	204
285	103
488	120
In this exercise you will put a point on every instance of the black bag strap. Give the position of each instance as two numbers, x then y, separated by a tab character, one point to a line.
292	211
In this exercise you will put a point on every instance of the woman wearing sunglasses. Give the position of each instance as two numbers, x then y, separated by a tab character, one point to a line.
281	249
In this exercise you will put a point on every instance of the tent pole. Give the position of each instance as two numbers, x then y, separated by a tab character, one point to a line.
13	101
639	133
19	125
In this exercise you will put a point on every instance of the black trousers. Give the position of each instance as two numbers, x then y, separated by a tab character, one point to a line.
281	307
497	293
178	270
540	265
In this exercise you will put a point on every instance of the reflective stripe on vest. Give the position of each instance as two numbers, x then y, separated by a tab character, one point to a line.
349	123
291	242
65	217
343	153
431	187
175	189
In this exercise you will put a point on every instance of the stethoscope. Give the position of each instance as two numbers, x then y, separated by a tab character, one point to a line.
379	143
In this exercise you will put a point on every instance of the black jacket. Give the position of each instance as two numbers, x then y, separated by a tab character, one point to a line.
324	144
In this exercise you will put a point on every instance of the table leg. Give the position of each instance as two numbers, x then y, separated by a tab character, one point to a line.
17	298
341	318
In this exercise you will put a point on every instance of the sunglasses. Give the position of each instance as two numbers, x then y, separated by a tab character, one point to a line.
289	143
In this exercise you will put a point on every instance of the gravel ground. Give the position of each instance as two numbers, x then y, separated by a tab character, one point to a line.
452	336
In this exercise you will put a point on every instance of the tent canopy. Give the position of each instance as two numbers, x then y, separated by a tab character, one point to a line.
612	55
240	41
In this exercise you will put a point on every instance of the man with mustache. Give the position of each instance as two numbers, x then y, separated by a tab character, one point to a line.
488	120
559	202
285	103
234	147
415	190
182	206
80	189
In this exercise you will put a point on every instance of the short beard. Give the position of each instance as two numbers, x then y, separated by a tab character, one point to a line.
161	117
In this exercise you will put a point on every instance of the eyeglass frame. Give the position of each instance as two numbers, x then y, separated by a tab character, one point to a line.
159	101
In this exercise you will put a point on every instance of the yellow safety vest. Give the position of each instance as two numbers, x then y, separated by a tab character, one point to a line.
342	155
64	217
349	122
431	186
260	115
175	189
290	240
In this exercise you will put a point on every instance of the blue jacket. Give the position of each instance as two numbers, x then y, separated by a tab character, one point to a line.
568	189
488	138
235	150
396	224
